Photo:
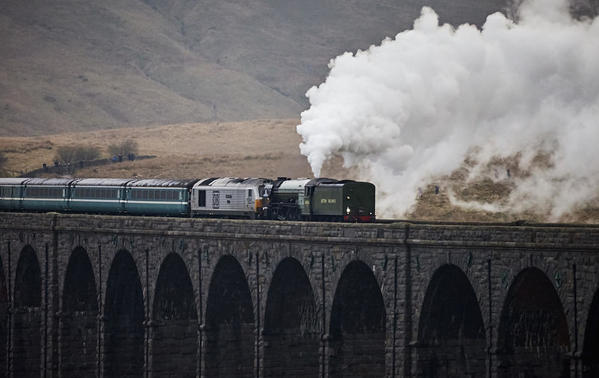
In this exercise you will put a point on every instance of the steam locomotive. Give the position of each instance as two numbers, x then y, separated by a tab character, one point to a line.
320	199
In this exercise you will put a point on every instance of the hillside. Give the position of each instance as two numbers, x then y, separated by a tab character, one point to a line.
71	65
263	148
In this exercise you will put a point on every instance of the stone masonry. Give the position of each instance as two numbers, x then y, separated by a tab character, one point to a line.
115	296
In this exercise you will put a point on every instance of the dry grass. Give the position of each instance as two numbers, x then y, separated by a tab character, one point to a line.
482	199
265	148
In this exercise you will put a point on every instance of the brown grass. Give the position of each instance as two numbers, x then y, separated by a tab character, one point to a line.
264	148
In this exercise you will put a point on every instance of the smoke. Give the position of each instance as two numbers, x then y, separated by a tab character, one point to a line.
415	107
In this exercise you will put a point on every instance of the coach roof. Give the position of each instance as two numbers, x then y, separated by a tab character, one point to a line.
165	183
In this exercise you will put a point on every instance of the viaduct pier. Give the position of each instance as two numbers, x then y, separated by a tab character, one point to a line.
117	296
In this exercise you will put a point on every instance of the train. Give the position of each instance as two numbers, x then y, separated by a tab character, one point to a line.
302	199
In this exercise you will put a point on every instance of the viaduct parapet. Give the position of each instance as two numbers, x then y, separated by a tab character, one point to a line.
116	296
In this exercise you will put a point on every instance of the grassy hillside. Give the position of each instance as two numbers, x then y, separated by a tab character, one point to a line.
76	65
264	148
82	65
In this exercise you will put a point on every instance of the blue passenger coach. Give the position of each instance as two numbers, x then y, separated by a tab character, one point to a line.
11	193
46	194
158	197
98	195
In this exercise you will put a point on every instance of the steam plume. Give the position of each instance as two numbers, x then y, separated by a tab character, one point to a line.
416	106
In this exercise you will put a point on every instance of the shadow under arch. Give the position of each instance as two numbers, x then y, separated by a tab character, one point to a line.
124	317
291	324
229	328
78	321
590	351
357	329
27	317
175	321
533	339
451	335
3	319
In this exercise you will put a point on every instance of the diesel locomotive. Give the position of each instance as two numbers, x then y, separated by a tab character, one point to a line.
320	199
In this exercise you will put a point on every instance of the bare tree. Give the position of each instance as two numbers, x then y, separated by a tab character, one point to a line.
69	154
128	146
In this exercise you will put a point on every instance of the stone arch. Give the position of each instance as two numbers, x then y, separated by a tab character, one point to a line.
78	325
451	334
175	321
27	318
3	317
229	324
124	317
533	337
291	324
590	351
357	328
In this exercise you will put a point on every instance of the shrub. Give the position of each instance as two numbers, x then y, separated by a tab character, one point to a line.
126	147
69	154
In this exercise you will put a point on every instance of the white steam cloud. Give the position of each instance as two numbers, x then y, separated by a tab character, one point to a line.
416	106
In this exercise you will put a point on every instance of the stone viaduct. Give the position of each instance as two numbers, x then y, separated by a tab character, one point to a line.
110	296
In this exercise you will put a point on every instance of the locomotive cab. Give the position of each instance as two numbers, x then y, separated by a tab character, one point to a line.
347	200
